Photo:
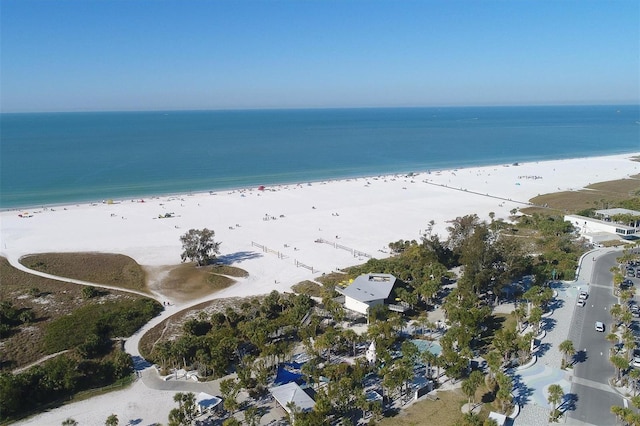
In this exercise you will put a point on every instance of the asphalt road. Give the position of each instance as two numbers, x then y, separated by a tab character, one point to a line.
590	391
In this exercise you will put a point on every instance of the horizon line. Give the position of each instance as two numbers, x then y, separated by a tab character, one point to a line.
315	108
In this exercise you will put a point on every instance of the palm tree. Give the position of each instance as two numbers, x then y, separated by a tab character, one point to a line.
520	313
524	344
470	385
229	388
626	318
567	350
629	341
616	311
535	318
612	338
293	410
252	416
186	411
470	419
505	387
555	397
493	359
620	412
429	358
351	336
634	375
632	418
620	363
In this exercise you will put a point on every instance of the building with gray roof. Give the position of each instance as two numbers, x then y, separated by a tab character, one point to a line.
367	290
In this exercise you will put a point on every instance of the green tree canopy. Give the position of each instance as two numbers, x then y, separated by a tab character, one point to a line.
199	246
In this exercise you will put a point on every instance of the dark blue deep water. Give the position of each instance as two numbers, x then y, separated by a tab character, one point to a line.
53	158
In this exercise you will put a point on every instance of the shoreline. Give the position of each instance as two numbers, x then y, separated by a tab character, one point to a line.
238	216
363	214
199	192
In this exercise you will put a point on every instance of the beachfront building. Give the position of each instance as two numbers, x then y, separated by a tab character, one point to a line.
369	290
604	227
631	217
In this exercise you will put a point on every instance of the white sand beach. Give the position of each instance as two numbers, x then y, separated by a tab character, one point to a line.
362	215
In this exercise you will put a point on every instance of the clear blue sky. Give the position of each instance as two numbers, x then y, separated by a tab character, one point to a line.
156	55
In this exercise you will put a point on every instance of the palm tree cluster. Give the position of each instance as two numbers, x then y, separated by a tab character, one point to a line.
255	337
627	416
264	327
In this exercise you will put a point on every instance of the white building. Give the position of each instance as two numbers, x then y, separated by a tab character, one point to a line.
292	394
366	291
206	402
600	229
371	354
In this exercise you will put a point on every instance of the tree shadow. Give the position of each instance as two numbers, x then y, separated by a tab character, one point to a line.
555	304
492	324
568	402
140	363
548	324
488	397
7	364
237	257
391	412
542	349
579	357
522	393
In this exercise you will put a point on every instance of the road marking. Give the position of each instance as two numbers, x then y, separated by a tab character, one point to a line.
594	385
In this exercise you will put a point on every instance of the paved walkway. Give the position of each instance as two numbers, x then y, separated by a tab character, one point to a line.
530	384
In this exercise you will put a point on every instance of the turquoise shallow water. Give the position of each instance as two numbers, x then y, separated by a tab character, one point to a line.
72	157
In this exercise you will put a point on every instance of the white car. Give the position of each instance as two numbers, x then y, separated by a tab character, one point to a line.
583	295
599	326
581	303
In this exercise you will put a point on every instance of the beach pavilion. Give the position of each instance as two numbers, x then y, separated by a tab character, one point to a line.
369	290
206	402
292	394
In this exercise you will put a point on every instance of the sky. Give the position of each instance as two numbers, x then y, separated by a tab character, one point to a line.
120	55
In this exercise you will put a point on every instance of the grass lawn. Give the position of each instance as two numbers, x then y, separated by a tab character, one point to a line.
596	195
309	288
446	411
100	268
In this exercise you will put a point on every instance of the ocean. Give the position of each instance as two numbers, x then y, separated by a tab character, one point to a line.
59	158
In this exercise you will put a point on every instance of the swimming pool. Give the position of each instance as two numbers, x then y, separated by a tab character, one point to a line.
428	345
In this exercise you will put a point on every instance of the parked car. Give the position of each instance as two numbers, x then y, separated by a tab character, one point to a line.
581	303
636	358
599	326
583	295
